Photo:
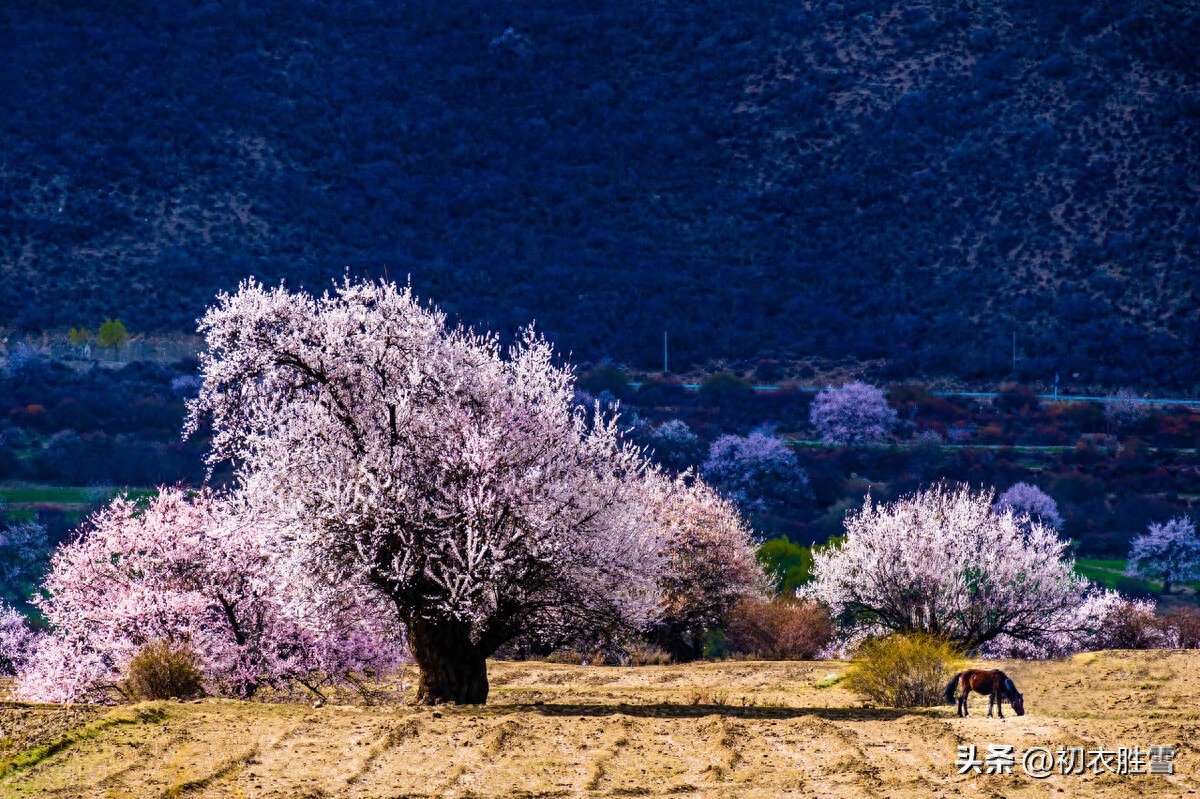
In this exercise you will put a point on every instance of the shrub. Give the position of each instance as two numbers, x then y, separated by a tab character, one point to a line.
1131	624
164	670
903	670
1183	626
778	630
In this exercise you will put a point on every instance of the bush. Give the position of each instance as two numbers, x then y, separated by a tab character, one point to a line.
1131	624
778	630
164	670
1183	625
903	670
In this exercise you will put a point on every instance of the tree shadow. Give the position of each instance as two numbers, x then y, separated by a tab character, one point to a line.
669	710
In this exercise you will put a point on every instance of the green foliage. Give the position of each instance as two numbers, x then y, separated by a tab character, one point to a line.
724	389
605	378
164	670
904	670
788	563
113	335
80	336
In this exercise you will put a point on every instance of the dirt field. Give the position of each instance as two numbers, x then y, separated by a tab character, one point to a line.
737	729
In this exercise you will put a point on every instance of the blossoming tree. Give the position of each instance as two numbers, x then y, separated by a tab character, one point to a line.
201	570
856	413
1169	552
1032	501
943	561
709	564
455	478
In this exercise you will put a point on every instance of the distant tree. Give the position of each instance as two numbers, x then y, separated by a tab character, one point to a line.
80	336
24	549
941	561
673	444
16	640
1122	409
1028	499
1169	552
113	336
856	413
759	471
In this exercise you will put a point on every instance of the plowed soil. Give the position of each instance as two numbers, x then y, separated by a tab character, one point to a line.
731	729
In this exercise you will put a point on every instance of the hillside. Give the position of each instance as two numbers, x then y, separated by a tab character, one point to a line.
900	183
733	729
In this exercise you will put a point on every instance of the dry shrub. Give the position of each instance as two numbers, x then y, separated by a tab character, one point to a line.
1183	625
1132	624
903	670
645	654
164	670
779	630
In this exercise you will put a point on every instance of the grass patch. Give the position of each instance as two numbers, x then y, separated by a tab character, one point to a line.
1111	574
153	713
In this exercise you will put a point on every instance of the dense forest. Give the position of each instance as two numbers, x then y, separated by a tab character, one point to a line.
905	185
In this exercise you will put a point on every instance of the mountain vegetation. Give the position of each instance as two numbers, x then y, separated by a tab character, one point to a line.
901	184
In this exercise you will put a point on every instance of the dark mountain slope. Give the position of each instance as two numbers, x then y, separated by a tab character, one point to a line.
909	181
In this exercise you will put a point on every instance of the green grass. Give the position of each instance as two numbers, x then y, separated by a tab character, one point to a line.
65	495
1111	574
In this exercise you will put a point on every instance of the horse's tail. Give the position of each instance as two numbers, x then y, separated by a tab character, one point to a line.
951	689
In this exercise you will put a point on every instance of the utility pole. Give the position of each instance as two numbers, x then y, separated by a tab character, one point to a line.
665	369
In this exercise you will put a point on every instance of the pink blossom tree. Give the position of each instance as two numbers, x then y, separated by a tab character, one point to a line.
16	640
709	564
456	479
942	561
1028	499
857	413
1169	552
759	471
201	570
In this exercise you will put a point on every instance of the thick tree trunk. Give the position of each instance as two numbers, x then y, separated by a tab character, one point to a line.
452	668
1167	583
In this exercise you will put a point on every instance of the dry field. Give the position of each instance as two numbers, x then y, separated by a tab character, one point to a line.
734	729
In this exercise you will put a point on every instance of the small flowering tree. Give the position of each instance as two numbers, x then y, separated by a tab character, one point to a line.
943	562
1122	409
457	480
857	413
199	570
16	640
759	471
24	549
1169	552
1028	499
709	564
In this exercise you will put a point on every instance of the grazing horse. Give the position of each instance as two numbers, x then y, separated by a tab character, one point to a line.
995	683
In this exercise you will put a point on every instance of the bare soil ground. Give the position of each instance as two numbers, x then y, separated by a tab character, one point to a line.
731	729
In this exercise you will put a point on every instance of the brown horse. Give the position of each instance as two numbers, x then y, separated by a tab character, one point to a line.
995	683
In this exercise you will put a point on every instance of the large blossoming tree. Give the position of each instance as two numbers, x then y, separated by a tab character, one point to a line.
945	561
453	476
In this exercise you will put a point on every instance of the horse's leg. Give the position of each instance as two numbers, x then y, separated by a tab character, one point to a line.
998	697
962	700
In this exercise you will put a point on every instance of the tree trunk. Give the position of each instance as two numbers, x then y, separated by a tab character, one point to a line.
1167	583
452	668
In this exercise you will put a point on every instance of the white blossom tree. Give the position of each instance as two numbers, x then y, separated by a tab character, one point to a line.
1169	552
942	561
857	413
456	479
709	564
1123	408
1028	499
201	570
